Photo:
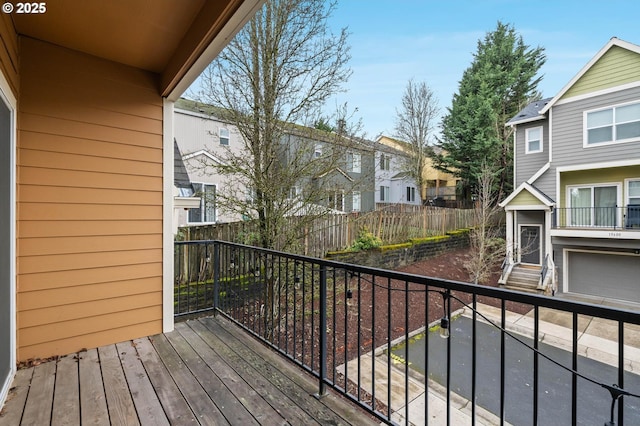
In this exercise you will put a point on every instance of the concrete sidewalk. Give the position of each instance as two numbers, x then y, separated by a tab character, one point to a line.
597	340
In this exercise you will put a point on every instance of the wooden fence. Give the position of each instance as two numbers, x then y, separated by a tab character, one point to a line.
336	232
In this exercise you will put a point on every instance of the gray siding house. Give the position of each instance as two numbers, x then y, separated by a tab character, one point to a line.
343	180
573	221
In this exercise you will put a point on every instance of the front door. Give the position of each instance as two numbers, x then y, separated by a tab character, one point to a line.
6	241
530	244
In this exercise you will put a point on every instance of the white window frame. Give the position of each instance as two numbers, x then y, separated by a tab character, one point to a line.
333	199
592	186
528	140
203	206
295	192
385	162
354	162
411	194
614	140
627	195
356	201
222	137
384	193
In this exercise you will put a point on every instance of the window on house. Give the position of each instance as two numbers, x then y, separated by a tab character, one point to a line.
533	140
356	201
411	194
317	151
224	136
384	193
385	162
336	200
593	205
616	124
295	192
354	162
206	213
633	192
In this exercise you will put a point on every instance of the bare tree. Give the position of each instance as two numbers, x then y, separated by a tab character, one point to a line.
487	246
280	69
415	124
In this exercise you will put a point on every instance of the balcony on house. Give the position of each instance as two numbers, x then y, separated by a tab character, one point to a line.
613	218
262	336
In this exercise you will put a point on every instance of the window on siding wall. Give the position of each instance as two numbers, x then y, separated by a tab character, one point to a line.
356	203
633	192
384	193
593	205
385	162
224	136
533	140
206	213
411	194
335	200
354	162
616	124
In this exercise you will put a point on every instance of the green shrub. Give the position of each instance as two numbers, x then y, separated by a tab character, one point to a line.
365	241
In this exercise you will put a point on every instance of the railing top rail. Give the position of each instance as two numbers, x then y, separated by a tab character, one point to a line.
581	308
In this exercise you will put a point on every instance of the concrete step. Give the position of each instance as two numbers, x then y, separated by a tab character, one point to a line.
524	278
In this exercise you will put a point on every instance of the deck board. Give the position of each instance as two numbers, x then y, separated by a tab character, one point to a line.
119	401
66	410
174	404
145	399
231	407
207	371
93	403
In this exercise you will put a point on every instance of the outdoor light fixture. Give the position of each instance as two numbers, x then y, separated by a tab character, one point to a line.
296	281
444	327
349	294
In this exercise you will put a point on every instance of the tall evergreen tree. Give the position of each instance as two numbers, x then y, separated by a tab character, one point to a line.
501	80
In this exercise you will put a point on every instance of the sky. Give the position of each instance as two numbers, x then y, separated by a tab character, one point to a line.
393	41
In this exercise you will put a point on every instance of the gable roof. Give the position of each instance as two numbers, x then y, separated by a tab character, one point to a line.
180	175
535	192
613	42
529	113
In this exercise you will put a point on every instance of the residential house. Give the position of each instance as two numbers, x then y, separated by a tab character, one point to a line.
346	177
394	184
86	106
438	184
575	210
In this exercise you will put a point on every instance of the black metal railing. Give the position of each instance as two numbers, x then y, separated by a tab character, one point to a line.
627	217
372	335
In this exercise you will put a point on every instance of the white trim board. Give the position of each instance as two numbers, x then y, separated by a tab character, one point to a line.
167	216
6	96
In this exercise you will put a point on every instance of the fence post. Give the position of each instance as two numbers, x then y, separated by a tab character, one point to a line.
323	332
216	277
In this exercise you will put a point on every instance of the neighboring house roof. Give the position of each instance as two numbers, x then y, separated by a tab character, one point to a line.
180	175
401	175
529	113
540	196
204	152
614	42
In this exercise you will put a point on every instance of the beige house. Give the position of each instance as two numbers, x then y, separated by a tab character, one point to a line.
86	106
438	183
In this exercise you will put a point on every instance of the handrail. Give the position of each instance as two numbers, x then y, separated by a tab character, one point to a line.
327	316
506	263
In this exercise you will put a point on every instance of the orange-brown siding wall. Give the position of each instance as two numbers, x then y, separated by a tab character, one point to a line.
89	202
9	52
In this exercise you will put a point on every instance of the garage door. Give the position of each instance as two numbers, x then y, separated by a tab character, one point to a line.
607	275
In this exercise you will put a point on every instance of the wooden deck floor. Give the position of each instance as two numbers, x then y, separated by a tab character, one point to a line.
207	372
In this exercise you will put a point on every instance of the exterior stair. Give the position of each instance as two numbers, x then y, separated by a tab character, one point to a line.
524	278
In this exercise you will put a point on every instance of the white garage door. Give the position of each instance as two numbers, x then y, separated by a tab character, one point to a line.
615	276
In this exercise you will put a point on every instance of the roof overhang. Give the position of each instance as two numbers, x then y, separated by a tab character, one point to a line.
613	42
545	202
175	39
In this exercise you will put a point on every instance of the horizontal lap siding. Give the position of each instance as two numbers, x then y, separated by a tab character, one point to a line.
89	202
568	131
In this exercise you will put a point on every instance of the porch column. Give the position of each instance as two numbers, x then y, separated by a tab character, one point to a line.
548	220
510	235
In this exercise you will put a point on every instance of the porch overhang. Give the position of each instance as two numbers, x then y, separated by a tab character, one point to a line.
527	197
174	39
